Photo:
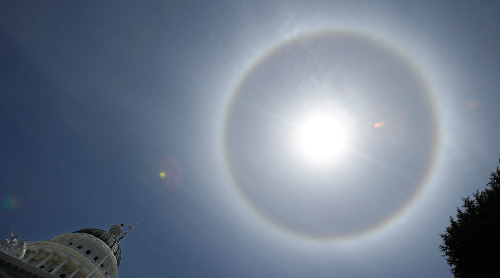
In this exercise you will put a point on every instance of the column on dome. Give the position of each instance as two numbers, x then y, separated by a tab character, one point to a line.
27	260
45	260
58	267
74	273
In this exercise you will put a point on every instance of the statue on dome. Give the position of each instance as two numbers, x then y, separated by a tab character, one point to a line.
13	237
18	248
6	244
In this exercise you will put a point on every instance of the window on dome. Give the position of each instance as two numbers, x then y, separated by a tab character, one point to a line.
62	276
79	247
96	258
71	243
88	252
102	265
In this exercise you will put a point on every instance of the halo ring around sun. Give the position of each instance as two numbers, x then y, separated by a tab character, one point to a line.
246	163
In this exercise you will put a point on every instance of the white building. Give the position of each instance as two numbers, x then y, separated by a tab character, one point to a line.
73	255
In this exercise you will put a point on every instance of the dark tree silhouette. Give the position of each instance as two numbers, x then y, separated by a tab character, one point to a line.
471	244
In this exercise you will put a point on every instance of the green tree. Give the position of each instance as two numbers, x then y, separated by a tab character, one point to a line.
471	244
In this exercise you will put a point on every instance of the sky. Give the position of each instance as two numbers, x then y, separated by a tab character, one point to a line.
249	138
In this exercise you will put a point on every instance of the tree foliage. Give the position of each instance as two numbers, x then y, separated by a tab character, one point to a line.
471	244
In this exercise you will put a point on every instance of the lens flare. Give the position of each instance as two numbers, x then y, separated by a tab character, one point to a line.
472	104
171	173
11	202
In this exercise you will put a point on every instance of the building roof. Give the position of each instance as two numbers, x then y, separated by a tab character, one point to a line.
14	267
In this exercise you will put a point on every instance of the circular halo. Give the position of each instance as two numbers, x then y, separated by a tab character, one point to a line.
390	112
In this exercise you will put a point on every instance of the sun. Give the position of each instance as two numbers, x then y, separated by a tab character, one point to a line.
321	138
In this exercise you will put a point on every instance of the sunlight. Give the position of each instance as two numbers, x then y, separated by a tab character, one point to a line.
322	138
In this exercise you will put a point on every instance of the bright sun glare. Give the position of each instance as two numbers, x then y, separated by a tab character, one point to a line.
322	138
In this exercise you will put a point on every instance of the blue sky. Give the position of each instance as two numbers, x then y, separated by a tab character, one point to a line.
98	99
